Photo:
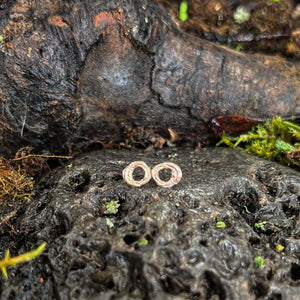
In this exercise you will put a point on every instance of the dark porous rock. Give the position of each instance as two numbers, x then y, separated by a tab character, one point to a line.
160	243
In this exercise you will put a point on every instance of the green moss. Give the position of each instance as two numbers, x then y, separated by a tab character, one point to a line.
275	139
283	146
14	182
183	8
220	224
260	225
109	223
239	47
260	261
8	261
112	207
143	242
279	248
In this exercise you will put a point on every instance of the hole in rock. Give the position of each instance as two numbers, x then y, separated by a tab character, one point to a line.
245	202
172	285
214	286
77	264
130	238
62	225
40	206
253	240
77	293
275	296
75	243
57	231
270	274
290	211
203	242
79	180
295	271
104	278
195	296
260	289
12	295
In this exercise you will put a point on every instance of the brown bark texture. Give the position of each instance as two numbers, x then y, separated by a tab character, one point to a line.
74	72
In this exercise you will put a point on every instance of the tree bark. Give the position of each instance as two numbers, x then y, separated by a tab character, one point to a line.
75	72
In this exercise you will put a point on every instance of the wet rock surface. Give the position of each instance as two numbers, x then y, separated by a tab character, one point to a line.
160	243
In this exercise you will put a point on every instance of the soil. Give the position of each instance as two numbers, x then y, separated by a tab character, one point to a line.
162	243
272	26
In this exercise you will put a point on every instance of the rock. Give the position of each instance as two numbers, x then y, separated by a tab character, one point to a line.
164	243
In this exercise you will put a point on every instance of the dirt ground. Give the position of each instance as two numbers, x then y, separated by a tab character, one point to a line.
254	26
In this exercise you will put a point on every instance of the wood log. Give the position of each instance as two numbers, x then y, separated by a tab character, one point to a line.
75	72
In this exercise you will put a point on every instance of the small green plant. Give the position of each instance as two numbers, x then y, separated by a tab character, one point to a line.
8	261
112	207
247	210
279	248
275	140
172	155
143	242
239	47
183	8
260	225
220	224
260	261
109	223
1	38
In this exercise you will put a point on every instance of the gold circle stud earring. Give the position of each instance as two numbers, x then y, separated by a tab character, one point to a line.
175	176
128	173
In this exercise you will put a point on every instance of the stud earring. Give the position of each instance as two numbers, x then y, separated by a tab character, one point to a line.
175	176
128	173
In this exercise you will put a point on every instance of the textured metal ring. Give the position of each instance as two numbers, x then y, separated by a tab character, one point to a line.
175	176
128	173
